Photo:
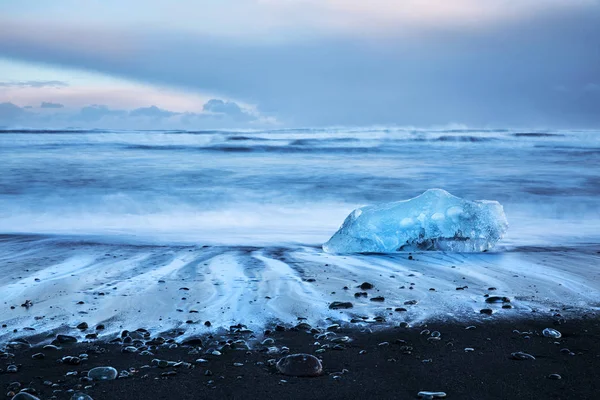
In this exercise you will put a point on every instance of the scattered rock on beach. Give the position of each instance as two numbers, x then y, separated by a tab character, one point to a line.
520	356
366	286
81	396
300	365
24	396
551	333
66	339
103	373
336	305
431	395
497	299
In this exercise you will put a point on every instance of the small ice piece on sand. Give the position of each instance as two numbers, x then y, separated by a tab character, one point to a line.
551	333
435	220
300	365
431	395
103	373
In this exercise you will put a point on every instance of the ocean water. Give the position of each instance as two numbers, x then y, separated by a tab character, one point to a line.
288	186
238	217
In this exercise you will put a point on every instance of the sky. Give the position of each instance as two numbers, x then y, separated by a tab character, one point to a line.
207	64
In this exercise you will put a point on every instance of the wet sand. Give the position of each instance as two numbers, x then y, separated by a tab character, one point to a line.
393	363
123	286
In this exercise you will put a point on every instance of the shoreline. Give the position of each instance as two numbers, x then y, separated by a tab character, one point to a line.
389	363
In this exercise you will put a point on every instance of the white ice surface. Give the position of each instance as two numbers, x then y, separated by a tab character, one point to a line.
435	220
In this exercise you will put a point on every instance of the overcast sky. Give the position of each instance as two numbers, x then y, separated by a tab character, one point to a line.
255	63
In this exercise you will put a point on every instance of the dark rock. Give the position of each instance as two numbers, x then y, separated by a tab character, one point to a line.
486	311
336	305
361	294
24	396
103	373
300	365
400	309
83	326
193	341
38	356
66	339
520	356
69	360
366	286
497	299
378	299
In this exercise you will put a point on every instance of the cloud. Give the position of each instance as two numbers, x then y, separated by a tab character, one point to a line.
10	112
34	84
216	114
46	104
97	112
227	108
489	74
152	112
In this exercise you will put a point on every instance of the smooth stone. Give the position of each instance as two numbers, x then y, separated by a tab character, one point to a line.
300	365
66	339
497	299
24	396
83	326
551	333
431	395
193	341
366	286
38	356
486	311
554	376
103	373
519	355
81	396
336	305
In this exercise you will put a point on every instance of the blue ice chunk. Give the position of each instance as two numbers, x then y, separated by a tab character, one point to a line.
435	220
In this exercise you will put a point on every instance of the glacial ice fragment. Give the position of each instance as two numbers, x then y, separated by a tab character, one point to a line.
435	220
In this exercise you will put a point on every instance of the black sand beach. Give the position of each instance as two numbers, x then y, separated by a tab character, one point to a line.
395	363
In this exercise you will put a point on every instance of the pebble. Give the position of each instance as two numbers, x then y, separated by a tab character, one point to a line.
378	298
300	365
519	355
551	333
12	369
38	356
24	396
66	339
336	305
486	311
366	286
497	299
554	376
82	326
431	395
103	373
470	327
410	302
81	396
